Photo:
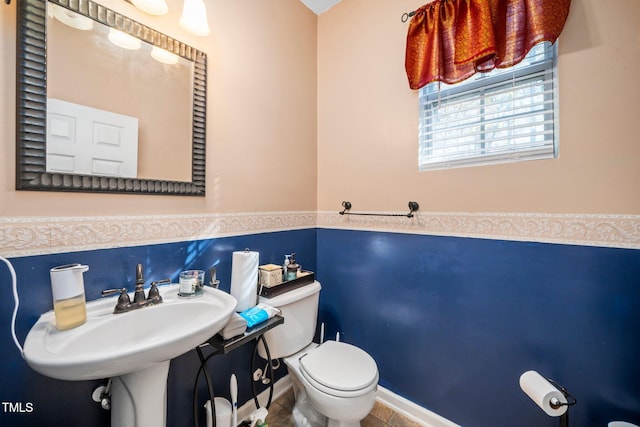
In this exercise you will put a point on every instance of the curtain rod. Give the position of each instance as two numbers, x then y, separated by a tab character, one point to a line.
405	16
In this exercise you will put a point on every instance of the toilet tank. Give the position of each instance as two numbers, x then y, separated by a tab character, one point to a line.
299	307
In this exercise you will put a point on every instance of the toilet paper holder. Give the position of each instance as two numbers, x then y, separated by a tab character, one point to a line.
555	403
544	392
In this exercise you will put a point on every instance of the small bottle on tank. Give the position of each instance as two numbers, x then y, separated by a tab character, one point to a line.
292	268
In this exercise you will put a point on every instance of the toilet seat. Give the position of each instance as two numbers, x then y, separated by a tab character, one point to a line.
339	369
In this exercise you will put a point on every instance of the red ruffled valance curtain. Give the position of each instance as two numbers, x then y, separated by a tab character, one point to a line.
450	40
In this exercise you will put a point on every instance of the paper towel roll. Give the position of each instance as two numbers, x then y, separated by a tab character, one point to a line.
541	392
244	279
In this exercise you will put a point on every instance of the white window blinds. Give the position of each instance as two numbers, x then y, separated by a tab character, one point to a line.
500	116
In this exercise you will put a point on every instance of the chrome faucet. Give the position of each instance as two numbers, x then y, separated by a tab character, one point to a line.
124	303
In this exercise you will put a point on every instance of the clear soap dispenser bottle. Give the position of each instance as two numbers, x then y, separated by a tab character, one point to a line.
67	287
292	268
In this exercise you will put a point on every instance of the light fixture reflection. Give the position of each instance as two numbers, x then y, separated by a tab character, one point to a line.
70	18
164	56
194	18
123	40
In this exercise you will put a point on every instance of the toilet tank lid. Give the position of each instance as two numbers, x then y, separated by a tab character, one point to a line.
292	295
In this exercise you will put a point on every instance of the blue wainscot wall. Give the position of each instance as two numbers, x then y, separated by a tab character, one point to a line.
454	322
451	322
30	399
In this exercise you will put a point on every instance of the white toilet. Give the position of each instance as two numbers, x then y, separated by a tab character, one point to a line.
339	379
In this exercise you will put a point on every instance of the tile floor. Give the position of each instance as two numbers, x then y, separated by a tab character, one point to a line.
380	416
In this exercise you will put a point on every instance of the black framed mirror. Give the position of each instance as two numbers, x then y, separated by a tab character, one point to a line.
33	122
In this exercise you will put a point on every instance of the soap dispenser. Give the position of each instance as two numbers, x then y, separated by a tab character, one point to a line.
292	267
67	287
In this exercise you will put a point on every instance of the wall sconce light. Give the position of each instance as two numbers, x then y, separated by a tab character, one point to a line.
194	18
152	7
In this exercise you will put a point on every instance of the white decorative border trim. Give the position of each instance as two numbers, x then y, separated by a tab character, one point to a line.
24	236
36	236
621	231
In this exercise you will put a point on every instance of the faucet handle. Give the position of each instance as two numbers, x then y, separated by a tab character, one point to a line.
154	294
108	292
123	300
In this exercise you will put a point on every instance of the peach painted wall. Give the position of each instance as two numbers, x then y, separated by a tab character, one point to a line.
261	115
367	120
265	69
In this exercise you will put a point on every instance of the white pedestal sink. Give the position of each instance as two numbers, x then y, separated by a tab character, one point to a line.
133	348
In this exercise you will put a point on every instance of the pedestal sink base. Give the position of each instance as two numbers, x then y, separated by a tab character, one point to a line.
133	348
139	399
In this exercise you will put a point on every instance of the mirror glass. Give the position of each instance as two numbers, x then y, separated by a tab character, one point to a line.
123	106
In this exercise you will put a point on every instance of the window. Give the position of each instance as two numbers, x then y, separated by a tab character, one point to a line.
504	115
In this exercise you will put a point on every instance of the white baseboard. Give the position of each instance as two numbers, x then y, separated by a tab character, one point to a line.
398	403
411	410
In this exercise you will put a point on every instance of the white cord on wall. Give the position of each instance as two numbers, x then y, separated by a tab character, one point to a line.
17	303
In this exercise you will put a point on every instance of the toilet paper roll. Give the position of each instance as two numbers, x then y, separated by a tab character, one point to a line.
244	279
541	392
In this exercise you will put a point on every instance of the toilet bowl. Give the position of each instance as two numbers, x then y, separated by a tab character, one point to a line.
340	380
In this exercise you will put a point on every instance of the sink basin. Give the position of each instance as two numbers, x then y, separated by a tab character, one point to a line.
110	345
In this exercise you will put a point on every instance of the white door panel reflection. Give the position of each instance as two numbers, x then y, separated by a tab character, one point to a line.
88	141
